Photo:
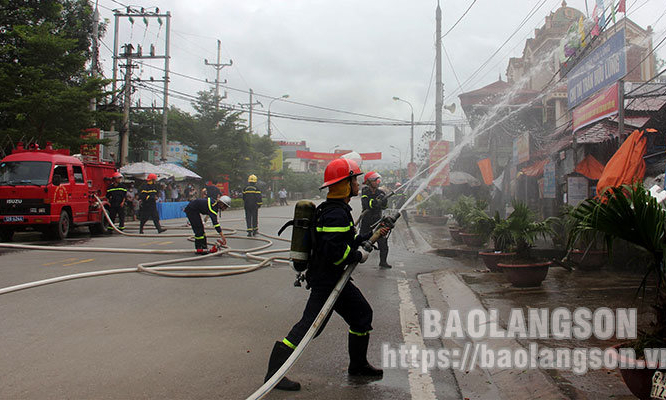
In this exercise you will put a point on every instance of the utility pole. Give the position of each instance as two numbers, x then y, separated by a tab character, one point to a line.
250	106
95	53
165	105
124	129
620	103
144	14
438	87
218	66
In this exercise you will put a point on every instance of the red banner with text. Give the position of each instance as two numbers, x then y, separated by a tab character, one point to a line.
439	150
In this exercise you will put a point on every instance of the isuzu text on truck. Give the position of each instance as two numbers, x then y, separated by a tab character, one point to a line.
49	191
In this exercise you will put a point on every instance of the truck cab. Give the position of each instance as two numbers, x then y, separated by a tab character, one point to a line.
50	191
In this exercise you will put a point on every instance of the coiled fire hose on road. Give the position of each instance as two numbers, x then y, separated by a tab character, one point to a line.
156	267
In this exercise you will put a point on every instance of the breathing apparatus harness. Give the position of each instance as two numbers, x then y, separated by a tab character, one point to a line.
303	235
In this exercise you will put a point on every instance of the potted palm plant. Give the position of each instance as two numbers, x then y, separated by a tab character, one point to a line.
498	230
630	213
587	251
463	211
524	270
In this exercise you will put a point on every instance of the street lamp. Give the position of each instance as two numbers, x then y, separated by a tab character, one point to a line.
284	96
411	137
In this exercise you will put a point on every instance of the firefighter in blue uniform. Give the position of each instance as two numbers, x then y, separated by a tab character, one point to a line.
116	193
373	201
210	207
148	209
335	247
251	202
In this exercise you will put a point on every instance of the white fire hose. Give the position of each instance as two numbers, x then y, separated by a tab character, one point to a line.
156	267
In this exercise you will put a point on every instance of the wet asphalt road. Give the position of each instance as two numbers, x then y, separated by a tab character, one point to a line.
142	336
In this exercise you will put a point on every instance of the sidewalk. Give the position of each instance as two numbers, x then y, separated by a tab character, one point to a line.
470	287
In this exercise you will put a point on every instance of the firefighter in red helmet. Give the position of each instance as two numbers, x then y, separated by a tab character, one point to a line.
336	245
116	193
148	210
373	201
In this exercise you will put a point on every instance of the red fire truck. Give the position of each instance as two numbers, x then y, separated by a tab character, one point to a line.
48	190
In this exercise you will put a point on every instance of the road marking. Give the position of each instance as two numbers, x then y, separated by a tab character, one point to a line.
79	262
421	385
59	261
148	243
164	243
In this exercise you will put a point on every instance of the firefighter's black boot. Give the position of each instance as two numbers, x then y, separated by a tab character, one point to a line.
201	246
358	363
141	224
383	263
279	355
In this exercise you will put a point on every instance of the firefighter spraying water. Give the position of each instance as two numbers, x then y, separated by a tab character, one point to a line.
328	239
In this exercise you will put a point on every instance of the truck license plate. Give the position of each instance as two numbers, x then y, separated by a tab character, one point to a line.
13	219
658	386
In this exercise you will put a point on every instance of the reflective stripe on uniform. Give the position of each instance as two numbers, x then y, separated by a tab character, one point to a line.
200	237
335	228
344	257
216	226
288	343
211	208
370	204
117	188
359	333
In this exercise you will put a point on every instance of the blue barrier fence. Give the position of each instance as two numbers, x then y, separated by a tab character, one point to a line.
172	210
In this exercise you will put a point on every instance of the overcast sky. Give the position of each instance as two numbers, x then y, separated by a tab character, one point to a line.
348	55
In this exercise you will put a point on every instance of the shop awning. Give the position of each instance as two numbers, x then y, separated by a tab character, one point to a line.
590	167
535	169
179	172
141	170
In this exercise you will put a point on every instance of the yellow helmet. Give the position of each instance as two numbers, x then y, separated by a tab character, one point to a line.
252	178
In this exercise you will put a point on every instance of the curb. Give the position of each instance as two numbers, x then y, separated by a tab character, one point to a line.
445	291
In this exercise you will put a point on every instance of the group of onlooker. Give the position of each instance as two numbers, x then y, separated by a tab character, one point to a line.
167	192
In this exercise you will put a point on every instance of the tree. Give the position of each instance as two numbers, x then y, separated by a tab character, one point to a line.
223	145
45	90
145	128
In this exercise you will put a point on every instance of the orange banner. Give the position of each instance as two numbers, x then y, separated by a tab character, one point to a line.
486	170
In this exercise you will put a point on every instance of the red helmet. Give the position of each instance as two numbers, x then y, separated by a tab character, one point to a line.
372	175
117	175
152	177
338	170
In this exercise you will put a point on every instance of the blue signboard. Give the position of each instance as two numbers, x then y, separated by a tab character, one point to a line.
549	181
604	66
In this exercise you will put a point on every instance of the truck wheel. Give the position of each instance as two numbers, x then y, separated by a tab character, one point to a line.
6	235
100	228
61	230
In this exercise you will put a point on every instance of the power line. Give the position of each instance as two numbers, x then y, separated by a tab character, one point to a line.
459	19
189	97
272	97
522	23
